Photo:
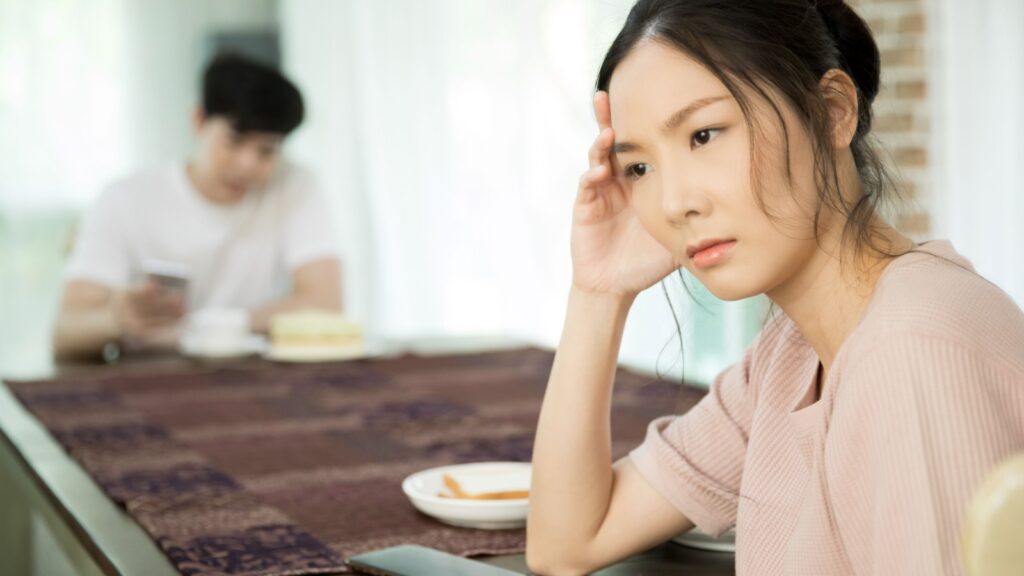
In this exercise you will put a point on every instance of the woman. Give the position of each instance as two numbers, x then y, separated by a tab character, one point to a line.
851	435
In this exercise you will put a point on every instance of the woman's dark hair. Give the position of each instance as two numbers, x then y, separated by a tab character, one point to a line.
252	96
785	45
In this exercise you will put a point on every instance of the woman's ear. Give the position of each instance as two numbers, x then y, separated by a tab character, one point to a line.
840	95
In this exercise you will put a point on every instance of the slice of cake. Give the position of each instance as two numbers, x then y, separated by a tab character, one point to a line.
315	332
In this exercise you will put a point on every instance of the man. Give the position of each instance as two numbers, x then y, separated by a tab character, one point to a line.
244	227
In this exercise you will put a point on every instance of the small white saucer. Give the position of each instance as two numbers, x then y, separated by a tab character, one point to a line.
248	346
314	353
424	489
697	539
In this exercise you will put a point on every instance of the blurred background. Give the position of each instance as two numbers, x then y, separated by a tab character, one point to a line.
448	136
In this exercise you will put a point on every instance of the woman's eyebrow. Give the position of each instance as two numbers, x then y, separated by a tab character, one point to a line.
625	147
681	115
673	122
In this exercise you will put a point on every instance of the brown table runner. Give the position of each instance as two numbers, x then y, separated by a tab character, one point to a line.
268	469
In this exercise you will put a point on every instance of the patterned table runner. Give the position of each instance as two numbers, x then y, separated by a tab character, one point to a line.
268	469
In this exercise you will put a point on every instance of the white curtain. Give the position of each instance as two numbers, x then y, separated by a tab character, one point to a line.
450	135
62	100
978	166
93	89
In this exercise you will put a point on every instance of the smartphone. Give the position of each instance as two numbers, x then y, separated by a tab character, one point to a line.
171	276
412	560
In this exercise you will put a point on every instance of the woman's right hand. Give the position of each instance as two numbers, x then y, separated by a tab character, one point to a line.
612	253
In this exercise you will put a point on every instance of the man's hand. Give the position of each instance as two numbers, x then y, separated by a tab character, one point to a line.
144	311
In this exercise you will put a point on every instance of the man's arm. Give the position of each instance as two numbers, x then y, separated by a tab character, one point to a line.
316	284
92	315
86	321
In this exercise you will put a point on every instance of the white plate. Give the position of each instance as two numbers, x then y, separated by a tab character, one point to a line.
314	353
252	344
424	488
697	539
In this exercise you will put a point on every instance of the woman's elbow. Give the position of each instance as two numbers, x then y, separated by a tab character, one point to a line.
542	568
553	562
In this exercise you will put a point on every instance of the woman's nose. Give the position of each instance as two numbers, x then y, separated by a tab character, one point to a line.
682	199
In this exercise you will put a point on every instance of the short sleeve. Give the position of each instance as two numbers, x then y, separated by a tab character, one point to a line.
101	252
309	232
695	461
932	417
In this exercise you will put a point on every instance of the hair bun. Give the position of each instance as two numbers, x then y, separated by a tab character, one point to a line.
858	53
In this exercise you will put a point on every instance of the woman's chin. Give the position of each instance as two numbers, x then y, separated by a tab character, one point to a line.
729	291
733	295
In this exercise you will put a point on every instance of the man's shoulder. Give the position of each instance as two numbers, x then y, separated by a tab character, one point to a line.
143	186
292	177
292	186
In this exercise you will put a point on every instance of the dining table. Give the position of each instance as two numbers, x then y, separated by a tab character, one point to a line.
160	465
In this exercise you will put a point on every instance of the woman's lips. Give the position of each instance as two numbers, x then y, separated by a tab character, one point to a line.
713	254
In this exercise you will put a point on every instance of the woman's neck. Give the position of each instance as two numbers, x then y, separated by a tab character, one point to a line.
828	297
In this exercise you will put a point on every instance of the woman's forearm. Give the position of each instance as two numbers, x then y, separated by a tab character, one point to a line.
572	467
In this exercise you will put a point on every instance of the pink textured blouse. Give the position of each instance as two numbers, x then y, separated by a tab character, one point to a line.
922	400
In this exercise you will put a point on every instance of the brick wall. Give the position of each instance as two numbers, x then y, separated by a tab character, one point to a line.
901	109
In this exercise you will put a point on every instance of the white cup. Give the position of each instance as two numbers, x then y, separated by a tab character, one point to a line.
218	329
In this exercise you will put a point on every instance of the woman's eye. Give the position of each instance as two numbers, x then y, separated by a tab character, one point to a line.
703	137
634	171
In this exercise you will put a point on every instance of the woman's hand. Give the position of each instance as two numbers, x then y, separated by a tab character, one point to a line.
611	251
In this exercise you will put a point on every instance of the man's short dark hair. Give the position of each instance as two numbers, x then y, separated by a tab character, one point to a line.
252	96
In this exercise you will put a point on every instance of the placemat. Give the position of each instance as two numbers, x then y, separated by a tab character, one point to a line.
269	469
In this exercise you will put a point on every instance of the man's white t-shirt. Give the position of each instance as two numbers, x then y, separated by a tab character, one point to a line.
239	255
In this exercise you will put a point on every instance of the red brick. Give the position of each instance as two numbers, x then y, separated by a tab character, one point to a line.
912	24
914	223
893	122
912	89
905	56
911	157
878	25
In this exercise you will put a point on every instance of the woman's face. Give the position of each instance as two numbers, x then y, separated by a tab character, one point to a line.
682	149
